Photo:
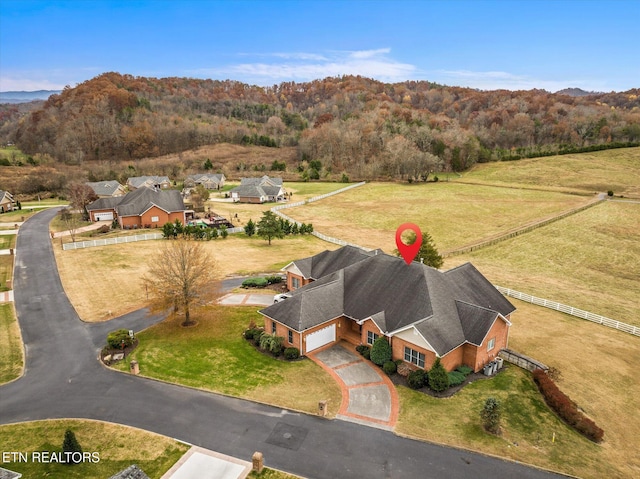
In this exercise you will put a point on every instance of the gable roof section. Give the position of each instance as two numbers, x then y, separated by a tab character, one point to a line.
205	177
249	191
442	307
327	262
138	181
140	200
262	181
104	188
109	203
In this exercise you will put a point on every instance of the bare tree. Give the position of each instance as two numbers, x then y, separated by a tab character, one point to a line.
182	273
80	196
71	221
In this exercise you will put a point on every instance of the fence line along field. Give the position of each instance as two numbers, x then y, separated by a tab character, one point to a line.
454	214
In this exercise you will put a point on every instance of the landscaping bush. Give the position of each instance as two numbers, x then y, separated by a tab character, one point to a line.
115	339
389	367
416	379
255	283
366	353
251	333
456	378
566	408
465	370
381	351
274	279
291	353
271	343
257	336
610	193
490	415
438	377
362	348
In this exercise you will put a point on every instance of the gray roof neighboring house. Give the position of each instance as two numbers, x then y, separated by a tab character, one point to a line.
201	178
327	262
446	308
138	181
131	472
105	188
137	202
249	191
262	181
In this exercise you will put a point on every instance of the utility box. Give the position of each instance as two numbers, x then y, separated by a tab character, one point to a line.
134	368
499	362
258	462
322	408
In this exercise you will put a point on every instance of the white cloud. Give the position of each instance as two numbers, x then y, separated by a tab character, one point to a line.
496	80
311	66
54	79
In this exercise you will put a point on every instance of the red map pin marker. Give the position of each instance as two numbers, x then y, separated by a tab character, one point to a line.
408	251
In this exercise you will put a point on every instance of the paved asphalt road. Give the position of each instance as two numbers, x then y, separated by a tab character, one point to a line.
63	379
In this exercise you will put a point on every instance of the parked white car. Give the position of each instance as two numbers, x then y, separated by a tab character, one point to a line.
281	297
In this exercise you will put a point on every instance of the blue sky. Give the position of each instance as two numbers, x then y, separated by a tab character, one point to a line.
525	44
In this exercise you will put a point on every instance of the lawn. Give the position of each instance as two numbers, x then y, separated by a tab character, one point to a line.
590	261
118	269
615	170
6	272
118	447
597	372
214	356
454	214
7	241
10	345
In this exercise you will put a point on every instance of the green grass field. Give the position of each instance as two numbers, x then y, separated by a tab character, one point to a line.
11	358
117	446
7	241
214	356
590	260
6	272
615	170
454	214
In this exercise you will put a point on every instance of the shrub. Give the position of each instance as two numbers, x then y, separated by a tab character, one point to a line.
416	379
291	353
610	193
381	351
565	407
255	283
490	415
252	333
116	338
257	336
104	229
438	377
366	353
389	368
456	378
271	343
362	348
466	370
274	279
71	445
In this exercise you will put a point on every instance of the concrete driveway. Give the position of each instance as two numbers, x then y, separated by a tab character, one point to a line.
368	395
248	299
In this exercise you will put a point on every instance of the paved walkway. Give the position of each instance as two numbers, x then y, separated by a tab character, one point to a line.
92	226
6	297
368	395
249	299
205	464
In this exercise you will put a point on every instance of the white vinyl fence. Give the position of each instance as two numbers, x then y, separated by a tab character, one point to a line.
595	318
114	240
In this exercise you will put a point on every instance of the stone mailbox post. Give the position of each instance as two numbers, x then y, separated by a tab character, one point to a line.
135	369
258	462
322	408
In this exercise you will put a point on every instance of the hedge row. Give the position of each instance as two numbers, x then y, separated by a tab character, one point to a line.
566	408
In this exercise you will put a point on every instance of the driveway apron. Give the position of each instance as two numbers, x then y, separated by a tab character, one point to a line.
368	395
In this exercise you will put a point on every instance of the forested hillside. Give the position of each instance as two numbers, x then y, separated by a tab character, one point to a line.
356	125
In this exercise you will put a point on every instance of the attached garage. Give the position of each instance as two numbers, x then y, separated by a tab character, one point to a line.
108	216
321	337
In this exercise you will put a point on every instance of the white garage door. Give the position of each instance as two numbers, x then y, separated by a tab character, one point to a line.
103	216
321	337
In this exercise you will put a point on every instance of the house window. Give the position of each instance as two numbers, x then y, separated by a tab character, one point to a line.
290	337
295	283
414	357
155	219
371	337
273	327
491	344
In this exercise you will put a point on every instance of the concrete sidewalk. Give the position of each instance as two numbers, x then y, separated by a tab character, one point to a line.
205	464
249	299
6	297
368	395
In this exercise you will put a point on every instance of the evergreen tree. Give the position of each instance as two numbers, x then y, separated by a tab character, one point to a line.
208	165
269	227
490	415
380	351
223	232
427	252
250	228
71	445
438	377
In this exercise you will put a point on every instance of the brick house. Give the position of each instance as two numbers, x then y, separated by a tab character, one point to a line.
158	182
142	208
106	189
259	190
456	315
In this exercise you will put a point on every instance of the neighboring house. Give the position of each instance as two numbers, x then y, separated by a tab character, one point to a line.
457	315
6	201
106	189
258	190
160	182
142	208
208	180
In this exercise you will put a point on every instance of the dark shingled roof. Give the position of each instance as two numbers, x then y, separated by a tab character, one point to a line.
249	191
447	308
328	262
104	188
131	472
262	181
138	201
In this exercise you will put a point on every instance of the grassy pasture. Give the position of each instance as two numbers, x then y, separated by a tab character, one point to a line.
615	170
7	241
6	272
454	214
118	269
10	345
590	260
214	356
118	447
